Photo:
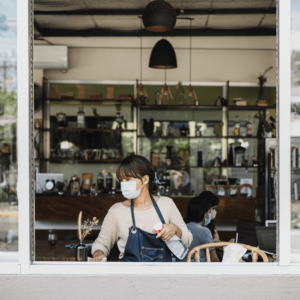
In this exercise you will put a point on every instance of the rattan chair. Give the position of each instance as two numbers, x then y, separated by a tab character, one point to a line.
196	251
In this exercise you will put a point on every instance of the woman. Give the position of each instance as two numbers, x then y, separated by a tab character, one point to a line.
214	201
197	215
130	223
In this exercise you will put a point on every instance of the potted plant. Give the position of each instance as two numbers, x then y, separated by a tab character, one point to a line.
265	126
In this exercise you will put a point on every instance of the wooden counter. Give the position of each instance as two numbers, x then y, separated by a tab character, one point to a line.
66	208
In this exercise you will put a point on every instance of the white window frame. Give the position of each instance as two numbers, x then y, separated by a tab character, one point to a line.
26	266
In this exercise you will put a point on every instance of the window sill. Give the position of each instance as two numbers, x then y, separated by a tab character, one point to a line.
110	268
10	268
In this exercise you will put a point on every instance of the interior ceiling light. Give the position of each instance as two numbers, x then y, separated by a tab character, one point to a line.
159	16
163	56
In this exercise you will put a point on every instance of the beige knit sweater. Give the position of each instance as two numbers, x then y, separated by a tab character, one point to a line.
118	220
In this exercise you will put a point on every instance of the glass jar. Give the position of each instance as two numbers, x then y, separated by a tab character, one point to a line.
233	189
80	118
222	191
52	237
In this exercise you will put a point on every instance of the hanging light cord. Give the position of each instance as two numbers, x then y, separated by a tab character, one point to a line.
141	54
190	51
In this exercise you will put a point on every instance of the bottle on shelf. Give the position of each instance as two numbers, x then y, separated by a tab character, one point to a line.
249	126
236	131
169	155
109	181
230	156
81	118
100	182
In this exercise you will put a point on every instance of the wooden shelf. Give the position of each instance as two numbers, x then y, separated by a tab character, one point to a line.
250	107
204	107
205	167
180	107
88	129
199	137
132	101
84	161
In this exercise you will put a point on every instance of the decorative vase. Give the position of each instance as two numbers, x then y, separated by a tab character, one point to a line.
81	252
261	95
268	134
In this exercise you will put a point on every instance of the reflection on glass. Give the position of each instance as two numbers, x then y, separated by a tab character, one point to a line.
8	127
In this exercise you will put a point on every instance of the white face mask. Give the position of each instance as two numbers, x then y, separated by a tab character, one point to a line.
129	190
213	214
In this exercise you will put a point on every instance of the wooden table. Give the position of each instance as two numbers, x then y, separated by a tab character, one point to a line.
45	252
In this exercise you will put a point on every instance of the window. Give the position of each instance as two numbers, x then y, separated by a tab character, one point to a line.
295	133
8	133
283	169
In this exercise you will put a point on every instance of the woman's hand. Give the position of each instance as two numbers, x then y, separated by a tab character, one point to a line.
98	255
168	231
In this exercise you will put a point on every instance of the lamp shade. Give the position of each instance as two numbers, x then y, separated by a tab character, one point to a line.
163	56
159	16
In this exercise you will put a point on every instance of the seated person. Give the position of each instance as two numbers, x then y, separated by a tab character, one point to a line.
197	216
214	201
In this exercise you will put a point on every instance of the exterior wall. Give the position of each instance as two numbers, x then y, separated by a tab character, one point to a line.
149	287
238	59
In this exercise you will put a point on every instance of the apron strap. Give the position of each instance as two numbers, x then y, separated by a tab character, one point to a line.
132	214
157	210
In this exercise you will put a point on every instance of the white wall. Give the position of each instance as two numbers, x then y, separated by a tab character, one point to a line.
149	287
238	59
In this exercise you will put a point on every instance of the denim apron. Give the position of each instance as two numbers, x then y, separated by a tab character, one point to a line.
143	246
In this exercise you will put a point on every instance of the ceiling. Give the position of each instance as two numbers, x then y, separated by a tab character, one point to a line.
76	18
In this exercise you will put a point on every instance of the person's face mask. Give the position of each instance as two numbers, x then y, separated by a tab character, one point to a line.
206	222
129	190
213	214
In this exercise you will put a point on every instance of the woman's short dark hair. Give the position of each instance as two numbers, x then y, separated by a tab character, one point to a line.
213	199
196	209
137	166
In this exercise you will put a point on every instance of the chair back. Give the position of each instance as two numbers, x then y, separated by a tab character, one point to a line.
196	250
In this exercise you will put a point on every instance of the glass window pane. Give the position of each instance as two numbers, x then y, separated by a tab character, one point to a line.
8	130
295	127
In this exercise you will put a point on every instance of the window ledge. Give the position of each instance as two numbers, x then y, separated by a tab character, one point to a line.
118	268
10	268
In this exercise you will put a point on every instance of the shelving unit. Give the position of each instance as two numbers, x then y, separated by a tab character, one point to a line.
131	101
198	137
88	129
206	167
160	113
84	161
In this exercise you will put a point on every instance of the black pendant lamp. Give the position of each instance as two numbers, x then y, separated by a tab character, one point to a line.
163	56
159	16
